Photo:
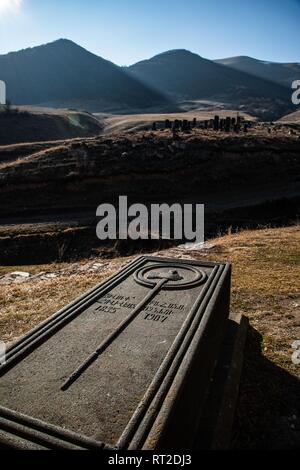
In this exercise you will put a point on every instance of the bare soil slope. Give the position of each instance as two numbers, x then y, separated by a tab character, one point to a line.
293	118
245	180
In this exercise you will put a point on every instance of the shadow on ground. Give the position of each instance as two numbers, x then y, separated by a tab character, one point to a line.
268	413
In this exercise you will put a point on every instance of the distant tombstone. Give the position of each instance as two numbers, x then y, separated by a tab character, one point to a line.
216	123
184	125
245	127
227	124
194	122
127	365
168	124
2	92
154	126
176	124
188	128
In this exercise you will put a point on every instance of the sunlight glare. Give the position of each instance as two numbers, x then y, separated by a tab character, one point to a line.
10	6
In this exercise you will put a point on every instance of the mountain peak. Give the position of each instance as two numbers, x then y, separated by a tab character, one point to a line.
62	41
62	73
172	57
58	43
176	51
177	54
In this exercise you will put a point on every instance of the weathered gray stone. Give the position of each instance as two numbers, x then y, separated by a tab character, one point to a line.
127	365
19	274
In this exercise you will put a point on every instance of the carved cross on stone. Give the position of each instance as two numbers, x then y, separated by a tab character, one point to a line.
172	275
163	278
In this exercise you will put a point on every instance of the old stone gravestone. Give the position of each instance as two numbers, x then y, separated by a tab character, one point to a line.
127	365
2	92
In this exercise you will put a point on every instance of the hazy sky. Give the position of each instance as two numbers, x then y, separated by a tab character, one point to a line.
126	31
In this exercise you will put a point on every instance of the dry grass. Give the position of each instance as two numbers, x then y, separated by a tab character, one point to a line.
24	305
265	284
265	287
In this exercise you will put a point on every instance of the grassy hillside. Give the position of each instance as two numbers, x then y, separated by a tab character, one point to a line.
293	118
29	124
184	75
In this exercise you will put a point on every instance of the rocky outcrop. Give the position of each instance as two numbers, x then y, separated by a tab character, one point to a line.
244	180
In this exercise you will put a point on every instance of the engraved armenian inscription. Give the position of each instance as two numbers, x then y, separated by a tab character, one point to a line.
155	310
172	276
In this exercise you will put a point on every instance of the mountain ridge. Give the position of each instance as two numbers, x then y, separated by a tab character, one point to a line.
184	75
62	71
283	73
63	74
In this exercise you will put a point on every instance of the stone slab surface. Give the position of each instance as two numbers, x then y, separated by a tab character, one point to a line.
216	424
100	402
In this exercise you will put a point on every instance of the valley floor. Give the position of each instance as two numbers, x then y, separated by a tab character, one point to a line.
265	288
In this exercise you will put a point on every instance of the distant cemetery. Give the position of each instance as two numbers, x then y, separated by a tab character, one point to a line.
227	124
